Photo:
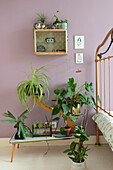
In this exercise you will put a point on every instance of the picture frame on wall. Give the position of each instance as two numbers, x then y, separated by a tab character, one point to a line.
79	58
79	42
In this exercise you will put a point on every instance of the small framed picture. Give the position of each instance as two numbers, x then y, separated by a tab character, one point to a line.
79	41
79	58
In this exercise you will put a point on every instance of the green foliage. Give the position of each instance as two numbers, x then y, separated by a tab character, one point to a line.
57	21
77	151
71	96
41	18
19	122
36	84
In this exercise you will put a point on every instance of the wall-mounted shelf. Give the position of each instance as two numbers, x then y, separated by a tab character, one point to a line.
50	42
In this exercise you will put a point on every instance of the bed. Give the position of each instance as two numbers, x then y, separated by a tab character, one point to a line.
104	115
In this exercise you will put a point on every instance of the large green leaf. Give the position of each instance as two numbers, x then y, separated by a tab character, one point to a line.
65	109
71	92
57	91
56	119
70	81
73	145
56	110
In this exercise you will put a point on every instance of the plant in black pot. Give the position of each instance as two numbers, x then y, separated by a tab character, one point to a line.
22	129
35	85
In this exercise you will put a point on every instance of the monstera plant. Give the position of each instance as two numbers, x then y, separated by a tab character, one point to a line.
36	84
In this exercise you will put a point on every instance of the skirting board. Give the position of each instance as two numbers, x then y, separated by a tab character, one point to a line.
4	142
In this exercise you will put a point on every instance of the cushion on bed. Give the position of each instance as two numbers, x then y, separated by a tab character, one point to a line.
105	124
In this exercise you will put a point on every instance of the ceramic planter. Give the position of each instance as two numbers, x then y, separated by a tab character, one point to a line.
64	25
78	166
67	130
76	111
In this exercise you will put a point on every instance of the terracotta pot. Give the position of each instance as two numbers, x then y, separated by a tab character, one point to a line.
67	130
78	166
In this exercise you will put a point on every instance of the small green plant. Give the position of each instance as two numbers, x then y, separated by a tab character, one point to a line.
36	84
21	127
42	18
57	21
77	151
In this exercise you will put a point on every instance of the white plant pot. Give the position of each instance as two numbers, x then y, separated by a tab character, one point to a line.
64	26
78	166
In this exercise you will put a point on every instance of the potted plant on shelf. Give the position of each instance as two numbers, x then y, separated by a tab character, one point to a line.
77	151
57	22
36	84
22	129
72	96
64	24
42	18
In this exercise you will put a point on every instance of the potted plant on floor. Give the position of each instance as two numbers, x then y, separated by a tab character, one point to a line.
22	129
77	151
36	84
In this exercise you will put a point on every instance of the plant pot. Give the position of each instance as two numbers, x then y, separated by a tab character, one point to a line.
17	137
76	111
43	26
67	130
54	103
78	166
64	25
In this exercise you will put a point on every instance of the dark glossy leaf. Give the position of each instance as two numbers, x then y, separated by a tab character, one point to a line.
64	117
67	150
75	105
70	81
56	110
56	119
73	145
57	91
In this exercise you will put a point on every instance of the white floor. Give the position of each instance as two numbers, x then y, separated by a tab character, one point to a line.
32	158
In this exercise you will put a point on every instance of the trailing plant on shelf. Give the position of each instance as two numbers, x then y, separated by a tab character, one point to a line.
22	129
36	84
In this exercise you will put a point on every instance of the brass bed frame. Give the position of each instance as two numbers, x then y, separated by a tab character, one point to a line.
101	77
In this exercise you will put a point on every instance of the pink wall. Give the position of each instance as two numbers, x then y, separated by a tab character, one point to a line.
93	19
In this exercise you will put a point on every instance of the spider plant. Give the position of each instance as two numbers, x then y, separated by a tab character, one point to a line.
36	84
41	18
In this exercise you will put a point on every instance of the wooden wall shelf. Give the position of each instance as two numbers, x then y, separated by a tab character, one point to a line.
50	42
